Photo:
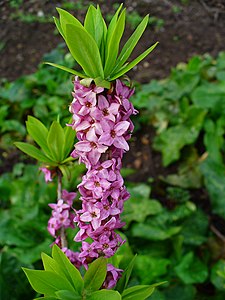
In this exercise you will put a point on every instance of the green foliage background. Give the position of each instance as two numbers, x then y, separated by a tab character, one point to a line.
174	242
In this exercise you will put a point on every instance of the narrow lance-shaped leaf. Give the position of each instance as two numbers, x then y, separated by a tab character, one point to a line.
47	283
84	50
34	152
131	43
134	62
58	26
113	44
66	18
123	281
71	71
50	264
71	273
68	295
38	132
105	295
56	141
95	275
94	25
140	292
70	135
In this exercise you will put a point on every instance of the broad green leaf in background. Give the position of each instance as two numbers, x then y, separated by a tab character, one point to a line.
191	270
173	139
95	275
210	95
218	275
214	178
149	268
140	205
214	138
68	269
181	292
153	232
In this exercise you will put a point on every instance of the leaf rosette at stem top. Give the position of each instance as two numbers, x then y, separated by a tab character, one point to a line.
95	47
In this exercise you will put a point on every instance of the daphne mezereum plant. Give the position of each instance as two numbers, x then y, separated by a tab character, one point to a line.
101	113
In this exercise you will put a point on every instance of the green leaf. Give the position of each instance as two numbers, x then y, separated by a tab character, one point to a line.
218	275
139	205
102	83
68	295
74	72
47	283
38	132
70	136
71	273
148	268
131	43
105	294
173	139
113	42
86	52
50	264
139	292
93	23
58	26
95	275
56	141
154	233
34	152
214	178
133	63
123	281
46	298
191	269
66	18
65	171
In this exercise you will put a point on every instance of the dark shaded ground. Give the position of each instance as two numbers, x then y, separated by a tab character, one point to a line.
196	27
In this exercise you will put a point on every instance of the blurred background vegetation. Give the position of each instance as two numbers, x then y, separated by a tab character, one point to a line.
175	170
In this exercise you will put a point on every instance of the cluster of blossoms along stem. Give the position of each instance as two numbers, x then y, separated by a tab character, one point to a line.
102	122
62	218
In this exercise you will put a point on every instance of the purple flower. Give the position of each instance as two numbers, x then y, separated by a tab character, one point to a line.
113	274
115	135
47	173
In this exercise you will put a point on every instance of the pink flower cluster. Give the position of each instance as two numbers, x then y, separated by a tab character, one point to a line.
62	218
102	122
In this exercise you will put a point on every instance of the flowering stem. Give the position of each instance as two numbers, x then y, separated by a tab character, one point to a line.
64	243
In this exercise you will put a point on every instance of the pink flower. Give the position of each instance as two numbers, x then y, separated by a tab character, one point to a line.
115	136
113	274
47	173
